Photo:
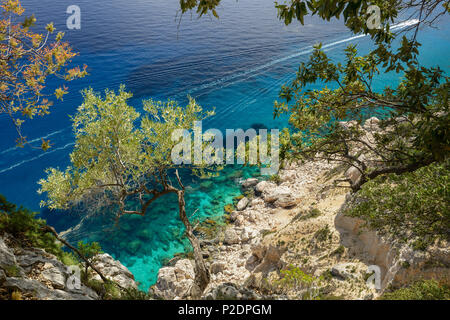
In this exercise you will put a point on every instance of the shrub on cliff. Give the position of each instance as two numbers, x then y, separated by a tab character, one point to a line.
420	290
28	230
410	206
89	251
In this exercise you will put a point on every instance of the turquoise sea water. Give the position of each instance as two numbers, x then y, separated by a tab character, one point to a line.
236	65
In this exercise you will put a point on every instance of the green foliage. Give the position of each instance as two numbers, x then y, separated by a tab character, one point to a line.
134	294
275	179
27	59
420	290
323	234
411	206
414	115
121	155
12	271
354	13
314	213
294	278
339	251
124	161
89	250
69	258
24	227
252	152
16	295
108	290
111	291
327	275
202	7
305	215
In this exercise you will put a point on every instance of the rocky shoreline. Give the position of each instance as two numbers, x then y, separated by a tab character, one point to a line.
294	224
254	246
37	274
298	222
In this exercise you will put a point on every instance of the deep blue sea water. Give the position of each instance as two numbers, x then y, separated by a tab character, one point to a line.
235	64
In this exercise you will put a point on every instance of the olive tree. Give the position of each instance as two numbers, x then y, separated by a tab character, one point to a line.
122	157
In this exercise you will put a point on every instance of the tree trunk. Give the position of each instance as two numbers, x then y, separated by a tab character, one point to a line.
396	170
202	275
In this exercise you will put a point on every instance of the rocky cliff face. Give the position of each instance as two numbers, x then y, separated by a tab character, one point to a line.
36	274
399	263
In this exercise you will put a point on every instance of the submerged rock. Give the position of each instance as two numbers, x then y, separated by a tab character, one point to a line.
206	185
133	247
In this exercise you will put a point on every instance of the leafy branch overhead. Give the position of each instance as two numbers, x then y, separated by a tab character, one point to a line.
27	59
413	130
335	123
356	14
